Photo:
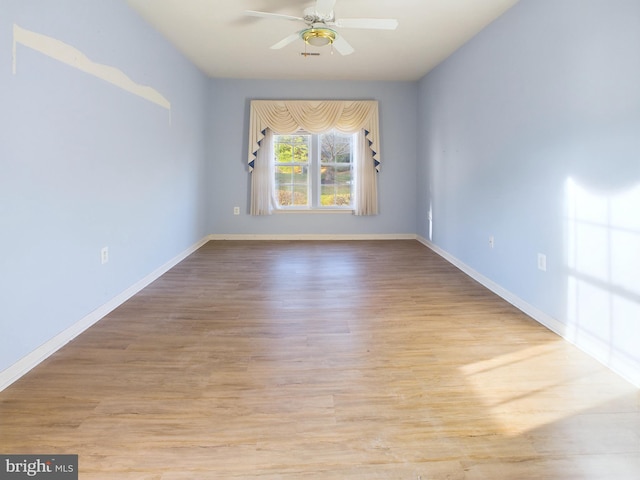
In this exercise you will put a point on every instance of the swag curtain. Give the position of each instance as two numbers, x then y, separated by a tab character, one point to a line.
285	117
315	116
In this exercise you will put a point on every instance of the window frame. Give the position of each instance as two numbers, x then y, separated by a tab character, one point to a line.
314	175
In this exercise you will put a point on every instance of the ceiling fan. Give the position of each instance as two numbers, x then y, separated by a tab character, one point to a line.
320	20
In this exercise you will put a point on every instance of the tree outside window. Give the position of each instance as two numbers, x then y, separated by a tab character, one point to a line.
314	171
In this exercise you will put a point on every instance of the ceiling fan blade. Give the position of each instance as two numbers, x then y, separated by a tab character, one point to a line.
286	41
324	8
342	46
372	23
253	13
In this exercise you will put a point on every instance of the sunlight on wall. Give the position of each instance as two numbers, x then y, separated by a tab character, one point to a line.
602	241
603	260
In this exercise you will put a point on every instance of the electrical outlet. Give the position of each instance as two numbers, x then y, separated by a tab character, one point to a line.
104	255
542	262
491	242
236	210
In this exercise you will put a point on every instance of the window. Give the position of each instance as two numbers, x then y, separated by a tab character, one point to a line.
295	174
314	171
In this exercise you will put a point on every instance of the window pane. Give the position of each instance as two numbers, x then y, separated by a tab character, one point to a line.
335	170
292	185
334	195
291	172
335	175
284	196
335	147
343	175
301	153
283	174
300	175
283	153
291	148
327	175
300	195
345	155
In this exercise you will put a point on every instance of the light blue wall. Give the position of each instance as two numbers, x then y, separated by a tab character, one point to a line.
230	179
531	133
85	164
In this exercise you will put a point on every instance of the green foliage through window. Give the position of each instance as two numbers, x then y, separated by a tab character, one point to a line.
314	170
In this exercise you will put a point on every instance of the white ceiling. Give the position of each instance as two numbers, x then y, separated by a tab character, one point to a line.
225	43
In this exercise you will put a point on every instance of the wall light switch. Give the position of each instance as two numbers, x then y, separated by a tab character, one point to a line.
104	255
236	210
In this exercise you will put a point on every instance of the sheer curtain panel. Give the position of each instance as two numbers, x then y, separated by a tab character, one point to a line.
262	182
366	191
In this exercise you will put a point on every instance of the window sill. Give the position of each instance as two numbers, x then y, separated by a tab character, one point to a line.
314	210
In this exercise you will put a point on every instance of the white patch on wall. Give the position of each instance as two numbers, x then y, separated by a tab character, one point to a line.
73	57
603	263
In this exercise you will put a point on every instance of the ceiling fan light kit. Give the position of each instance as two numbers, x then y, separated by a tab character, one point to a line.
318	19
318	37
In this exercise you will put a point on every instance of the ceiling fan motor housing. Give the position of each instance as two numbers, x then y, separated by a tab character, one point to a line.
312	16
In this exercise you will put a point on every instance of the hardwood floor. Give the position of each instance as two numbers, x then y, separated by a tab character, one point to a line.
323	360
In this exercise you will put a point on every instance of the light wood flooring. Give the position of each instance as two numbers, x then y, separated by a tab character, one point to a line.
323	360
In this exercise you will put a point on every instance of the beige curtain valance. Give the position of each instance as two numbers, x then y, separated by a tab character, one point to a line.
315	116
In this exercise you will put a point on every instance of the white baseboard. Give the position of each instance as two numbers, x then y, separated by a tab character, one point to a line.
626	370
313	236
31	360
24	365
28	362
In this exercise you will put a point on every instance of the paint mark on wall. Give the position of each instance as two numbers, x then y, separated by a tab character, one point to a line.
73	57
